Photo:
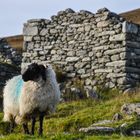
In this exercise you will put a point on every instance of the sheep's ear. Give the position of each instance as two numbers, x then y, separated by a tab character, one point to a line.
43	72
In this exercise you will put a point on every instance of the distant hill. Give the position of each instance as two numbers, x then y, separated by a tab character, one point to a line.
132	16
15	41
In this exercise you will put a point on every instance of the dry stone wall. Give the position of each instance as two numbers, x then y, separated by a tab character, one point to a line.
7	71
10	63
101	49
8	54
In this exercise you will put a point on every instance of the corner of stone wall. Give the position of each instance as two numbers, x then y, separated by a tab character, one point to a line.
132	43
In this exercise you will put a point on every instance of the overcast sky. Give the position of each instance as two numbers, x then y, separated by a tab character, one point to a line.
13	13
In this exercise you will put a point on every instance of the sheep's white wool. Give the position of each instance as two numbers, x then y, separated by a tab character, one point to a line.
34	95
12	91
40	95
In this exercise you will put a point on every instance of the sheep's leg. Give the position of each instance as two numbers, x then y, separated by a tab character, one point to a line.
12	126
41	123
25	128
33	125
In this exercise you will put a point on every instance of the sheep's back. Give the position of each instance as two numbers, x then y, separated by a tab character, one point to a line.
12	92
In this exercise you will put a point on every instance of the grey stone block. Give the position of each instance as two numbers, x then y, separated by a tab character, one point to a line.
129	27
31	31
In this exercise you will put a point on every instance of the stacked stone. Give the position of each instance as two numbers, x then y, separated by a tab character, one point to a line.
86	45
8	54
132	67
7	71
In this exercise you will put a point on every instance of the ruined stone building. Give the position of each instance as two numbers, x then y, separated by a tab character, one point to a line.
99	49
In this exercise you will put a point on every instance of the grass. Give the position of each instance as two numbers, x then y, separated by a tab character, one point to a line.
63	136
70	116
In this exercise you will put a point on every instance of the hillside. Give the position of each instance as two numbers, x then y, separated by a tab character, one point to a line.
71	116
132	16
15	41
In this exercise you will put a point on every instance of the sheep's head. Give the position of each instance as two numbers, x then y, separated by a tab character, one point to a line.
33	72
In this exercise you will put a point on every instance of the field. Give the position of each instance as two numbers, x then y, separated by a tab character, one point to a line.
71	116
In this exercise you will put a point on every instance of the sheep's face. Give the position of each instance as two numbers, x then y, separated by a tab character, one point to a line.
33	72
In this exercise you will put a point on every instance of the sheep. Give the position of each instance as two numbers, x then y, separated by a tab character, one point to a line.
32	94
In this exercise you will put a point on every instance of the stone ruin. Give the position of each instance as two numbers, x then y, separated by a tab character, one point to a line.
101	49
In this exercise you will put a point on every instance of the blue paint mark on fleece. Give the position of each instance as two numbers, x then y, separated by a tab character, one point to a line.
19	86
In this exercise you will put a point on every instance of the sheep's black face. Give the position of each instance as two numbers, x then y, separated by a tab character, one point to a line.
33	72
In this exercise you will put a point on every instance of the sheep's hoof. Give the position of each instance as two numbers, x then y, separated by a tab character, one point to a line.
40	133
32	133
25	128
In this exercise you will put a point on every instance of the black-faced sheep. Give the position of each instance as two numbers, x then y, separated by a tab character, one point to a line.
30	95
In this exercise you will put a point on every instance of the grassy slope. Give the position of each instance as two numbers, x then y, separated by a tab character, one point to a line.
64	124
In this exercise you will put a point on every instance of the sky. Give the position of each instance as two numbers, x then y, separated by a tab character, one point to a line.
14	13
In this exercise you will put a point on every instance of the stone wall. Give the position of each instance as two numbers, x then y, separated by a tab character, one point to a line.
101	49
7	71
10	63
8	54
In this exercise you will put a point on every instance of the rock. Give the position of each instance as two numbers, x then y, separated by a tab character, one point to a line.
129	91
81	71
109	84
121	81
53	31
80	29
104	33
69	68
85	12
117	117
115	57
133	44
86	59
48	47
81	53
102	10
72	59
131	108
135	132
71	75
103	24
71	53
43	32
118	37
103	122
129	28
53	52
72	94
79	65
87	28
28	38
123	129
98	130
56	57
35	20
132	69
30	31
69	10
116	63
114	51
103	71
92	94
